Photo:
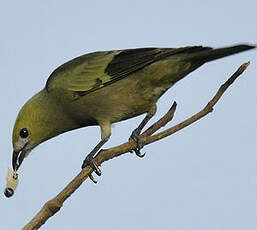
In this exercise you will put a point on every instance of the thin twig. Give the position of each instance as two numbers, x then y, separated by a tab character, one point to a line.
161	122
207	109
54	205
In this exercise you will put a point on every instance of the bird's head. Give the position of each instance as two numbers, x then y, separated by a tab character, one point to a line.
38	120
28	132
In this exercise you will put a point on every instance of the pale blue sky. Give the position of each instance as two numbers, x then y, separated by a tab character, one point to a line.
204	177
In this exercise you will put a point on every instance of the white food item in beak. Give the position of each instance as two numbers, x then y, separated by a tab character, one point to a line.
12	182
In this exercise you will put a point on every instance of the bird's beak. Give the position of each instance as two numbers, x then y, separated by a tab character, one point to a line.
17	158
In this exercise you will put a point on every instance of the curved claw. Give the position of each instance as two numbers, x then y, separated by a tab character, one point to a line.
90	162
138	153
96	168
135	136
92	178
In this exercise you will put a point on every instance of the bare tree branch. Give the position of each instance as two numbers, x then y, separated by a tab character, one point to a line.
54	205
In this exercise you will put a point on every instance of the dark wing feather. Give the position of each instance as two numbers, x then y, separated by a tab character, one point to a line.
131	60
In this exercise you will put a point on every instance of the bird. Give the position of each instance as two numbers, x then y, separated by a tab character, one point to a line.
105	87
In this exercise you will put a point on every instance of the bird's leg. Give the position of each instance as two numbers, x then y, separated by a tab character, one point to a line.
136	133
89	160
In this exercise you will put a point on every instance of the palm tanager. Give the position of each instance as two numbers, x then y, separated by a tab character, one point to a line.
102	88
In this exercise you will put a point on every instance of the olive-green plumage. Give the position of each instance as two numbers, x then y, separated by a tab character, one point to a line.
105	87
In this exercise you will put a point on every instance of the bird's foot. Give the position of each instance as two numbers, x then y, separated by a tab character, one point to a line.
135	136
89	161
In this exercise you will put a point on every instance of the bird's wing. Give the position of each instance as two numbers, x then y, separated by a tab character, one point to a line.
93	71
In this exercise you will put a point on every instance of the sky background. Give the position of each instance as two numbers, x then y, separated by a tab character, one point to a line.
204	177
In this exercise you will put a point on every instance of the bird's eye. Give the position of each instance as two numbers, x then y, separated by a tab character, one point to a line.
24	133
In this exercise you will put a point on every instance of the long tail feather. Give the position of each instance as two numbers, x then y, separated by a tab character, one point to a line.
212	54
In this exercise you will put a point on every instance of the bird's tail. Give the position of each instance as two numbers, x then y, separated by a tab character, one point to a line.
209	54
